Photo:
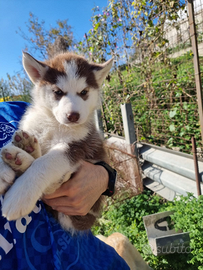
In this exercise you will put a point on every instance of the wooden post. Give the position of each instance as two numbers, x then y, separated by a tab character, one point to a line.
193	36
128	124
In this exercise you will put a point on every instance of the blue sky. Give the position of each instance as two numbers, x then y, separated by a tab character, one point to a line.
15	13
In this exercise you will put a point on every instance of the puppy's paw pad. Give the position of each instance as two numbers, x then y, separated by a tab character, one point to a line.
27	142
11	157
16	158
24	141
8	156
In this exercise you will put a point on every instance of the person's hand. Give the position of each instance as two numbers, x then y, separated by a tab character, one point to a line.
78	195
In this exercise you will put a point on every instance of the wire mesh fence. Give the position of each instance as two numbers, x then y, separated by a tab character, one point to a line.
159	81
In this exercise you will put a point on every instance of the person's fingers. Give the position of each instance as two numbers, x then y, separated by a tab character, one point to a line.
60	192
78	195
68	208
55	202
69	188
73	202
72	211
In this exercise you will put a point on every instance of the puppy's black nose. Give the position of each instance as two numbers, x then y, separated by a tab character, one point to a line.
73	117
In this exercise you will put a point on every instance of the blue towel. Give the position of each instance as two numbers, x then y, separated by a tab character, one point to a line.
37	241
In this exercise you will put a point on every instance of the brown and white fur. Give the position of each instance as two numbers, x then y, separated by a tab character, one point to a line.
126	250
56	133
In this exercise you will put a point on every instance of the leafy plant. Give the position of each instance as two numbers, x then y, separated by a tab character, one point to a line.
15	88
127	218
188	216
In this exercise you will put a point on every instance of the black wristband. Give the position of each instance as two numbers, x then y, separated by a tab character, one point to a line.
112	178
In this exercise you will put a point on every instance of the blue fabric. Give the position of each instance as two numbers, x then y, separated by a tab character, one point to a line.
37	241
10	114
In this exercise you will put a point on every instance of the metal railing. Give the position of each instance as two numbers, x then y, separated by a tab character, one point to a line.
167	172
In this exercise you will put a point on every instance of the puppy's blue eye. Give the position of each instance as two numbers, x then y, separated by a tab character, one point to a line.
59	93
83	92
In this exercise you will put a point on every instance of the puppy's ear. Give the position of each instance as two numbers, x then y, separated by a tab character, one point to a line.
35	69
102	70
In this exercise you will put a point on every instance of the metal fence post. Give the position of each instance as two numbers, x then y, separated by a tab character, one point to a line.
198	82
128	124
98	117
197	175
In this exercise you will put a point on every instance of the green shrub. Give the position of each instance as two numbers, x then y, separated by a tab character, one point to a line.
188	216
164	103
127	218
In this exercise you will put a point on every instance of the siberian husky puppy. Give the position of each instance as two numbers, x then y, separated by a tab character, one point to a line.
56	133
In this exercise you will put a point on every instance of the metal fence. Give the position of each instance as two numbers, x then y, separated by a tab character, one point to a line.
160	82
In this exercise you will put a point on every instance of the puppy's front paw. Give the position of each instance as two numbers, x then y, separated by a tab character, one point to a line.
7	176
16	158
19	200
27	142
